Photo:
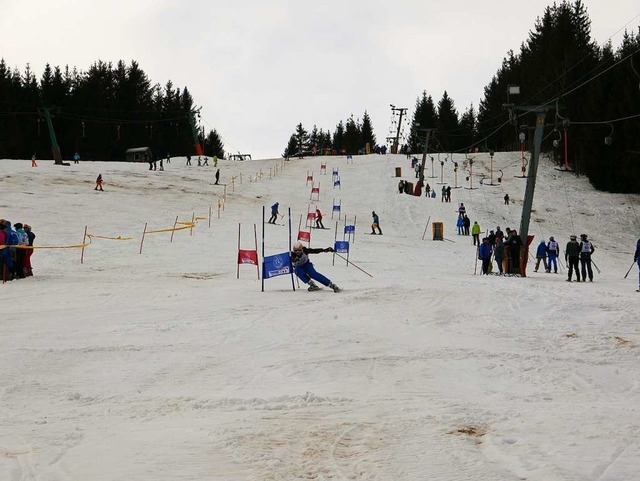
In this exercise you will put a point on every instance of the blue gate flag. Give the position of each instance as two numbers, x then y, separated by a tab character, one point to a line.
336	208
342	247
277	265
349	229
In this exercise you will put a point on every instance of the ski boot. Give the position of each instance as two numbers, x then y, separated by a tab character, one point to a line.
334	287
313	286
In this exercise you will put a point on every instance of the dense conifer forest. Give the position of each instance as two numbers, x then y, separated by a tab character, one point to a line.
99	113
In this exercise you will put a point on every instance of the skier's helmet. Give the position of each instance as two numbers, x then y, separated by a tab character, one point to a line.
297	246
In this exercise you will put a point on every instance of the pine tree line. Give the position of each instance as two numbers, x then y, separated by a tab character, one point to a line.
561	64
348	138
98	113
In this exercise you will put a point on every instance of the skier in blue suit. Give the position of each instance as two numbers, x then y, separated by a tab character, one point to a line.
274	213
304	267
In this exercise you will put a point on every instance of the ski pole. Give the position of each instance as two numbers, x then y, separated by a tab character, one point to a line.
625	276
475	269
351	263
594	265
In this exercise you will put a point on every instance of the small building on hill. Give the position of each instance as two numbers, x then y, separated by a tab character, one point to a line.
138	154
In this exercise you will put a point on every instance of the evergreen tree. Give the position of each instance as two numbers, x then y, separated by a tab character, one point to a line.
448	125
216	144
467	129
424	117
368	137
302	137
314	138
352	137
338	137
292	146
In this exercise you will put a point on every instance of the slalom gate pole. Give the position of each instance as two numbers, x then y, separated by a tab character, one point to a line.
193	221
351	263
255	235
143	234
632	264
262	282
293	282
174	228
83	241
475	269
209	216
594	265
426	227
237	263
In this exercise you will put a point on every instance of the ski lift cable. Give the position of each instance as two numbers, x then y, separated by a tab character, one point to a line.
603	122
580	61
569	92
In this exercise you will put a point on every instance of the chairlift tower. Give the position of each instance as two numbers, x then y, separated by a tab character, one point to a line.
527	205
400	111
425	148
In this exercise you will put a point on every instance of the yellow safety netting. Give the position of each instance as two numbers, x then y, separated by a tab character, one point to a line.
187	225
95	236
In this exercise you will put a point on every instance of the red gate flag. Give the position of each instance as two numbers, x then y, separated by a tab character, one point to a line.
304	236
248	257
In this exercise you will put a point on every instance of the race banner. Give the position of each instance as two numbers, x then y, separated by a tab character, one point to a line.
277	265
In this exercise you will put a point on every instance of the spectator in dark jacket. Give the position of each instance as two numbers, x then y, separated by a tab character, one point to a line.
485	255
571	257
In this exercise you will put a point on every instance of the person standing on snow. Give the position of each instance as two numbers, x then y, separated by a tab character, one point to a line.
553	251
541	255
99	183
475	232
304	267
376	223
274	213
484	253
217	177
498	254
319	224
571	257
514	244
586	249
467	224
28	270
460	225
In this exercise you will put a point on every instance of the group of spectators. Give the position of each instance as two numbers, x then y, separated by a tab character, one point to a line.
504	248
15	255
574	253
507	251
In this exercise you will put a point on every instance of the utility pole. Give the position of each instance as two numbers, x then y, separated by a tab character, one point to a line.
425	148
396	141
527	205
192	123
57	156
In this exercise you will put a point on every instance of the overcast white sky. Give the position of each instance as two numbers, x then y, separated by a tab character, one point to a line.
259	68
